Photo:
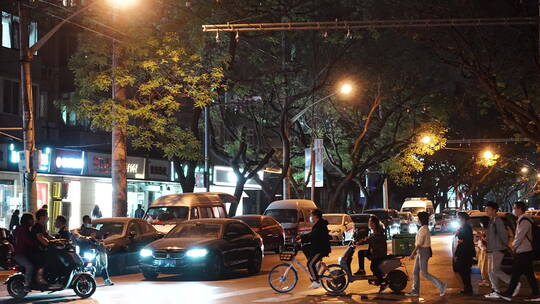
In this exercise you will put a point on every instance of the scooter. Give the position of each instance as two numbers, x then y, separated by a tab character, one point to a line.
6	249
70	273
393	278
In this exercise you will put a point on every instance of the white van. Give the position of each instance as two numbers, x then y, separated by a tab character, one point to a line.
167	211
293	215
420	204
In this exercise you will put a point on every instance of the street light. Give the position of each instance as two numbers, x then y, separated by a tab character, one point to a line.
122	3
524	170
344	89
488	155
426	139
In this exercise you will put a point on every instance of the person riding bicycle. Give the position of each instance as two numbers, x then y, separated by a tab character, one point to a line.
377	249
319	245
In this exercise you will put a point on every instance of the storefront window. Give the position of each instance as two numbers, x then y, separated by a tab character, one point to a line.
9	200
42	194
103	198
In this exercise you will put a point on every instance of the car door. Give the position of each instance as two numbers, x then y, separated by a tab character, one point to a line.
271	234
231	245
134	236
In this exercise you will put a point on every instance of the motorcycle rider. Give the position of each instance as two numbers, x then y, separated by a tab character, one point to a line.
25	245
377	249
40	234
61	224
319	247
87	238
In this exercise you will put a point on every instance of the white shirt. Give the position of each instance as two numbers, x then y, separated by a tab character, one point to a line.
423	237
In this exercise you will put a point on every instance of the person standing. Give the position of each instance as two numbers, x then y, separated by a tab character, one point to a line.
96	213
139	213
497	245
481	254
464	253
523	254
14	222
421	255
319	240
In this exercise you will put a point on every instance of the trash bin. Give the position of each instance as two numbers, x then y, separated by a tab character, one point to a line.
403	244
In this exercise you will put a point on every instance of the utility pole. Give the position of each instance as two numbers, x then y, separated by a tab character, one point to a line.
29	174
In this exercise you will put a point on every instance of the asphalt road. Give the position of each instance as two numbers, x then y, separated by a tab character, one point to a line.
238	287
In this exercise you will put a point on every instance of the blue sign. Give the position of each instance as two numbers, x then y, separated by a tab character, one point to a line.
68	162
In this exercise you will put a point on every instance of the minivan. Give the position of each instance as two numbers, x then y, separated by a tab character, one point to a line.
167	211
293	215
416	205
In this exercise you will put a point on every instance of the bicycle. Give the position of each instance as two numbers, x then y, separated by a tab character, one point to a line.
284	277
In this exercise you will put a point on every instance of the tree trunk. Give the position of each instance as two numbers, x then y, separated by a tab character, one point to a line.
119	170
187	181
339	191
238	191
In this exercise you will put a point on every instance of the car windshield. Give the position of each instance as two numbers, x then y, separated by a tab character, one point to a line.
157	215
253	222
360	219
109	229
334	219
283	215
404	216
413	210
195	230
381	214
477	220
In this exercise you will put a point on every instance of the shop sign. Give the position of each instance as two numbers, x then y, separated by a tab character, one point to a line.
100	164
68	161
41	160
225	176
159	170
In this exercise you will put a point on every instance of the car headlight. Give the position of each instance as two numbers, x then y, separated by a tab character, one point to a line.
145	253
197	253
454	224
89	255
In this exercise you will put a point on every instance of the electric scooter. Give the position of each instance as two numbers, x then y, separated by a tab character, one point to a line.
393	278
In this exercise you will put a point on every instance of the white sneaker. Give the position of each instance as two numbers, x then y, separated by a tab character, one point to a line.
315	285
508	299
108	282
533	300
443	290
492	295
516	291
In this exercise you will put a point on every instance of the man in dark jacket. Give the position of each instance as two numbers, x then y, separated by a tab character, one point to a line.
377	249
319	245
464	253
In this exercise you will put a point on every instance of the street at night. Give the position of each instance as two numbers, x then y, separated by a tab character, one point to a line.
237	287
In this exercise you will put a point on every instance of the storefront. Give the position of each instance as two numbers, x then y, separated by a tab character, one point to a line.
74	182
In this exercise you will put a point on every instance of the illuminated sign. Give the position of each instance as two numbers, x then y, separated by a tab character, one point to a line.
43	161
100	164
225	176
159	169
68	161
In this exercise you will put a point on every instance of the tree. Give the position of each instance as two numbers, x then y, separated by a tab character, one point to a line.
159	73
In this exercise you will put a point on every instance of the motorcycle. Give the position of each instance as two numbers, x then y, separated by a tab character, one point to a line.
70	273
393	278
6	249
90	255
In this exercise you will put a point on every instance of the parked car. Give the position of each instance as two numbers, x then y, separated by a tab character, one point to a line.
407	223
293	215
446	223
205	246
361	224
340	227
390	219
268	228
124	237
167	211
420	204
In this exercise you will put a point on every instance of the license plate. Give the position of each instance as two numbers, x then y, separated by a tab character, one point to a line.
168	263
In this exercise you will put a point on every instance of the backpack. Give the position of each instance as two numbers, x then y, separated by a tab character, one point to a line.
535	241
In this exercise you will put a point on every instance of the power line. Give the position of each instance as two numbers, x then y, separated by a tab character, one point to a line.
351	25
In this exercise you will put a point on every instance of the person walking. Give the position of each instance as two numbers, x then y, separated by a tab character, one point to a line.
481	254
421	255
523	254
497	245
14	222
96	213
139	213
464	253
319	247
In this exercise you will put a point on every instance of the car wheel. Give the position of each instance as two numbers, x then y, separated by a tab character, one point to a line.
150	275
255	263
214	268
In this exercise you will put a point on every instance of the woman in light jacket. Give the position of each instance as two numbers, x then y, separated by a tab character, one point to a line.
421	254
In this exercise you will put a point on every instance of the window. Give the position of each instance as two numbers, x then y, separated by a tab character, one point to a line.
10	31
301	216
268	222
10	102
219	212
145	227
206	212
238	228
194	213
133	227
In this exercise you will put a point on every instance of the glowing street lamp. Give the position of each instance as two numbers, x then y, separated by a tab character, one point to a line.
488	155
426	140
346	89
524	170
122	3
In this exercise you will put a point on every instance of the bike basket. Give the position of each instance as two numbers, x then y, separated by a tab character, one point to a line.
286	256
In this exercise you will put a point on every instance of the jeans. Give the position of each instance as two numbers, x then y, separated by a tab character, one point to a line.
421	267
103	263
523	266
28	268
362	254
312	266
495	272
